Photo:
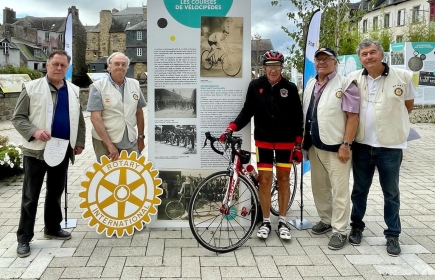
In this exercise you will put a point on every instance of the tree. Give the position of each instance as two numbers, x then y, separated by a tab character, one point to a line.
9	69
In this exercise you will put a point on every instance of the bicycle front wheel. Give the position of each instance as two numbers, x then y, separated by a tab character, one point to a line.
274	206
206	64
224	232
231	64
174	210
203	207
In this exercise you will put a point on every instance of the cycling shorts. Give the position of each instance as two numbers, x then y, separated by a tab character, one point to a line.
266	152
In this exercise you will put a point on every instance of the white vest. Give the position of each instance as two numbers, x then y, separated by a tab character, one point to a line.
330	117
117	114
40	102
391	114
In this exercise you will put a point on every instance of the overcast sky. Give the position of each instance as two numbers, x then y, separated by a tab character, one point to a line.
266	20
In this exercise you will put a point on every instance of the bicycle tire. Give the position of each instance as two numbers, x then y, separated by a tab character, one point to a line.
231	64
206	64
223	233
274	207
203	207
174	210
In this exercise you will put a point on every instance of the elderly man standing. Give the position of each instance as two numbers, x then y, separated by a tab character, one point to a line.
387	99
48	110
331	107
116	103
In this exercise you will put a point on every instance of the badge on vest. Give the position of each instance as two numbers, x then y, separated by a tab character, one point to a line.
398	91
107	100
339	94
284	92
135	96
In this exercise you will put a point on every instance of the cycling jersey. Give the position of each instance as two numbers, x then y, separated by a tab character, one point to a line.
277	111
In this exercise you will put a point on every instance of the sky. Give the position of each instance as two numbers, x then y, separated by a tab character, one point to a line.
266	20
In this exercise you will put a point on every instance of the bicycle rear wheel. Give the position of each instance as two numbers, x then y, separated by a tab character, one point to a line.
231	64
274	207
219	232
174	210
206	64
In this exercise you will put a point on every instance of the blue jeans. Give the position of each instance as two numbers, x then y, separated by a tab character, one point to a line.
387	161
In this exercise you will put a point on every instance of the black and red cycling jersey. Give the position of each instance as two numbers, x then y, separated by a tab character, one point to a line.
277	111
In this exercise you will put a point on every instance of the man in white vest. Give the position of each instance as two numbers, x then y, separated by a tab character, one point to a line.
387	98
116	103
47	114
331	107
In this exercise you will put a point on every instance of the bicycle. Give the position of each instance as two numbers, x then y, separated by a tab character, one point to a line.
231	63
233	218
175	208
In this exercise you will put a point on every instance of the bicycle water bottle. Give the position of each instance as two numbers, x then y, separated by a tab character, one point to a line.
251	170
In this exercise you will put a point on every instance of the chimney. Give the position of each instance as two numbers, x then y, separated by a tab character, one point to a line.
105	24
9	15
144	13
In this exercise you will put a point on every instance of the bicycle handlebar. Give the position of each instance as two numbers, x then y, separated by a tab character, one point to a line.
230	140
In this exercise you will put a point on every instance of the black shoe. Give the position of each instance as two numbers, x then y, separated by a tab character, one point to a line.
61	234
393	247
321	228
337	241
355	236
23	249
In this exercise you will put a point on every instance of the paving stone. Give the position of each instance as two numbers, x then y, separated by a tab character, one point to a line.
161	272
52	273
269	251
190	267
366	259
267	266
86	247
414	249
210	273
113	267
84	272
418	264
289	273
318	270
292	260
172	257
427	258
159	234
316	255
128	251
123	242
344	267
57	252
69	262
220	260
176	242
245	257
143	261
11	273
6	262
37	267
376	241
196	252
156	247
131	273
227	272
402	269
99	256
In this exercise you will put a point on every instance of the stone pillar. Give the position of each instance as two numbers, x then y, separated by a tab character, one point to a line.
105	23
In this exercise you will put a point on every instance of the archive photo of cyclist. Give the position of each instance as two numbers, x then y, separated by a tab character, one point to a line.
172	140
274	103
221	46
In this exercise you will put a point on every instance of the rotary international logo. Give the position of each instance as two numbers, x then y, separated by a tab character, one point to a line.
135	96
120	195
339	94
398	91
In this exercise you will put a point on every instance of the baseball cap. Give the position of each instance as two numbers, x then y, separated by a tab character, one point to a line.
326	50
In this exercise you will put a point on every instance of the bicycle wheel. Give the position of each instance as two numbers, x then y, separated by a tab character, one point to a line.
220	232
231	64
174	210
274	207
206	64
203	207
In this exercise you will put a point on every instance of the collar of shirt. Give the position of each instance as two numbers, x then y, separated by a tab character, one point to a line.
115	84
318	89
48	81
385	73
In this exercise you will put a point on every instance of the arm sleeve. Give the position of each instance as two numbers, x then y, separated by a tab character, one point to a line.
247	112
95	101
20	118
299	115
351	99
142	103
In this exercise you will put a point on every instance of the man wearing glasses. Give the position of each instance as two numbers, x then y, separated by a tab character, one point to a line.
276	107
47	110
331	108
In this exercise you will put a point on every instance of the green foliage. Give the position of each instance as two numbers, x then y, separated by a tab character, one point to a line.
9	69
11	158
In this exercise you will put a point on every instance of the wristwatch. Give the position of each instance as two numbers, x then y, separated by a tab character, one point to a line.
141	136
347	144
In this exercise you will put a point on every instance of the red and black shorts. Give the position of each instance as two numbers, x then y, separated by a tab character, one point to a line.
267	152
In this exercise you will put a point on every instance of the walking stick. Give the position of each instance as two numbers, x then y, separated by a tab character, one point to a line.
72	223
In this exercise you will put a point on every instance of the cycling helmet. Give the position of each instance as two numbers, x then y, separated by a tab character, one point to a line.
273	56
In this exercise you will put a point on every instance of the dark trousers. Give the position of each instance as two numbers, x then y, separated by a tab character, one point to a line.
34	172
364	160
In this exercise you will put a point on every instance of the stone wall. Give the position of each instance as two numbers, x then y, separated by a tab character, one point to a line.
8	101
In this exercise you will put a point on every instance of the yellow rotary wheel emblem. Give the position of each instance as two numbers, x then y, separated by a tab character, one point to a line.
121	195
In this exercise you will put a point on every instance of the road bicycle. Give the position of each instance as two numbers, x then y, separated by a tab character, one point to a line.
231	220
176	208
231	63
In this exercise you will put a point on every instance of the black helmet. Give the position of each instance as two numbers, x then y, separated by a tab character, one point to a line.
274	56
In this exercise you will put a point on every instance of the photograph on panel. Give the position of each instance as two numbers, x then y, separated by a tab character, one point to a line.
172	140
175	103
221	46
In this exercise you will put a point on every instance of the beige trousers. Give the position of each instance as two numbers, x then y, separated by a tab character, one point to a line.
100	149
330	185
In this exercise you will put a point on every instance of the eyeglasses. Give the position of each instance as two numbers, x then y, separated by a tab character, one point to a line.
57	65
325	60
273	67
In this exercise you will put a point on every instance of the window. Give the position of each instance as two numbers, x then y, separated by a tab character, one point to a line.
37	52
139	51
375	23
94	40
401	17
5	47
139	35
45	49
35	66
95	53
364	26
60	37
47	36
115	39
387	20
415	14
399	38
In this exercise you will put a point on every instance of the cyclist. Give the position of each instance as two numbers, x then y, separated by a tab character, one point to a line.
274	103
217	41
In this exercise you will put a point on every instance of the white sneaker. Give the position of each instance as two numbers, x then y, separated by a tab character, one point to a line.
284	231
263	231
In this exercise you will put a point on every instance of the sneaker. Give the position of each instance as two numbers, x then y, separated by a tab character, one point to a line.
337	241
23	249
263	231
284	231
355	236
393	247
60	234
321	228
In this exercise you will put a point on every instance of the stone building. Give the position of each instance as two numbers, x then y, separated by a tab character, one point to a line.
119	31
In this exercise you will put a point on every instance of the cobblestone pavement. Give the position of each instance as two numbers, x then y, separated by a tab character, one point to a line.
174	253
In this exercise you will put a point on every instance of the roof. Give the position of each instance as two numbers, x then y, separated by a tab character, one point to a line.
55	24
29	53
96	28
121	23
130	11
89	27
12	45
354	6
261	45
101	60
140	26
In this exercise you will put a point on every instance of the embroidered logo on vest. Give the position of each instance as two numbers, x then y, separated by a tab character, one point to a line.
398	91
339	94
260	90
284	92
135	96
